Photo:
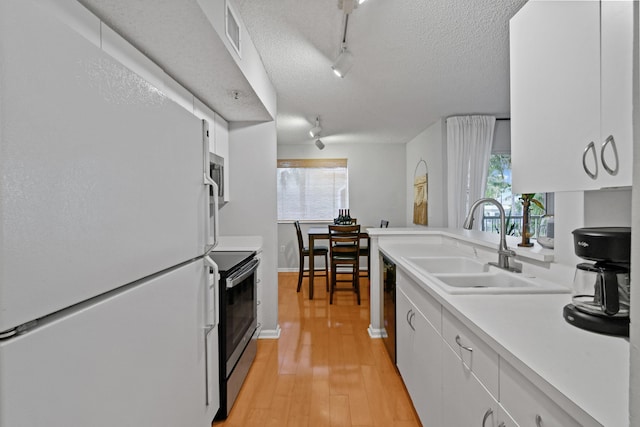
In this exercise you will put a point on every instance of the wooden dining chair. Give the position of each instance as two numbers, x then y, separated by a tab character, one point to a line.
344	247
304	252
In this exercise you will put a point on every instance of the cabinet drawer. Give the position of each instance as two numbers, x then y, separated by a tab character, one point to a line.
526	403
425	303
477	356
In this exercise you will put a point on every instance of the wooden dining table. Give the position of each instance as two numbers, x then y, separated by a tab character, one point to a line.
322	233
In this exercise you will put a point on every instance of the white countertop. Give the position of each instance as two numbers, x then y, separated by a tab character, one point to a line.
529	332
480	238
239	243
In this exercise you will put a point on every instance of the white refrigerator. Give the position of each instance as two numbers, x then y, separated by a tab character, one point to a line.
108	310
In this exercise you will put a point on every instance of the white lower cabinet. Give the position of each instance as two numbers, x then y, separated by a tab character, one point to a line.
418	359
466	402
504	419
529	406
456	379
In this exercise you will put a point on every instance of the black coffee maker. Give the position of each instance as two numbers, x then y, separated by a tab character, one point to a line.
600	302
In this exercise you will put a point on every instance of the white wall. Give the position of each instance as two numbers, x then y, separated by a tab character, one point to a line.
429	146
376	175
252	210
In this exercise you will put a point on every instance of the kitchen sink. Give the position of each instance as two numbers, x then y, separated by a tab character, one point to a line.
465	275
437	265
495	282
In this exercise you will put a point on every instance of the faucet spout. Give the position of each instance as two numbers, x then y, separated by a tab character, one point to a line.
503	250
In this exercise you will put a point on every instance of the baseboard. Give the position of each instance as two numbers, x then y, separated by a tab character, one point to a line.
376	333
270	334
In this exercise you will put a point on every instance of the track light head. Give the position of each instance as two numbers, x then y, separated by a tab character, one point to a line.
319	144
315	131
343	63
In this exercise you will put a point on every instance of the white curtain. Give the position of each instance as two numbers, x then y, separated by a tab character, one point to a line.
469	140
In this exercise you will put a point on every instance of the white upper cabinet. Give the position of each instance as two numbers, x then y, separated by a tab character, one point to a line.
571	95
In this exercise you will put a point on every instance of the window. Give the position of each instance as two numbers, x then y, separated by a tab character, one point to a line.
499	188
312	189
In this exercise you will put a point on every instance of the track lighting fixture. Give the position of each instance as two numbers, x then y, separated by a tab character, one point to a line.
319	144
343	63
315	131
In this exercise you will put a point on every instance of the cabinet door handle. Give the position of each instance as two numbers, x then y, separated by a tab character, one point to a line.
612	142
502	424
411	320
538	420
462	346
486	415
591	147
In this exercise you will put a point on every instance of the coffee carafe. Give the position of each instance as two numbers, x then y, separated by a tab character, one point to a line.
601	290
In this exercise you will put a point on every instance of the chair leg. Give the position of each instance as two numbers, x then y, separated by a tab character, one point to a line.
356	278
300	273
326	271
333	283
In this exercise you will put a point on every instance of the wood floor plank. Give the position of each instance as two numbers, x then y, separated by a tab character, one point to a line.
324	370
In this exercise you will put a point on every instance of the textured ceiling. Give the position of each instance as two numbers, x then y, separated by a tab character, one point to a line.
415	61
178	37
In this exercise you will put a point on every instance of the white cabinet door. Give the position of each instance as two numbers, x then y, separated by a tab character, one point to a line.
419	360
616	40
504	419
571	88
465	400
530	407
404	335
555	95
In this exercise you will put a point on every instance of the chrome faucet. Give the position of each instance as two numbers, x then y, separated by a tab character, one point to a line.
503	251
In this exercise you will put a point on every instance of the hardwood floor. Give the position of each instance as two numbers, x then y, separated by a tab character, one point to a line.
324	370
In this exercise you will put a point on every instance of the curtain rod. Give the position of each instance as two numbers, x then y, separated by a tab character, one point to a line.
497	118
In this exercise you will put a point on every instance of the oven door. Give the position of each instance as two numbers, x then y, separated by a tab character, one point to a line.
241	312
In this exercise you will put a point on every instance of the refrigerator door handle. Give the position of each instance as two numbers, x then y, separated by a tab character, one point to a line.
211	300
211	321
208	366
215	232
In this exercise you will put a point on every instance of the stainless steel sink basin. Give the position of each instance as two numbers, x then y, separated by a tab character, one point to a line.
495	282
437	265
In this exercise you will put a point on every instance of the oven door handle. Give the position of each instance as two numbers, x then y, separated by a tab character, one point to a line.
243	273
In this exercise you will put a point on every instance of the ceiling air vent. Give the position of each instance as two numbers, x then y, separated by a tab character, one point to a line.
233	28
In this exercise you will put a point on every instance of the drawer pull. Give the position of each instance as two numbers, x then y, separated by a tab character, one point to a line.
538	420
462	346
486	415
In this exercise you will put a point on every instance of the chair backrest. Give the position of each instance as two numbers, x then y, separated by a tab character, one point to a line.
344	241
384	223
299	233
